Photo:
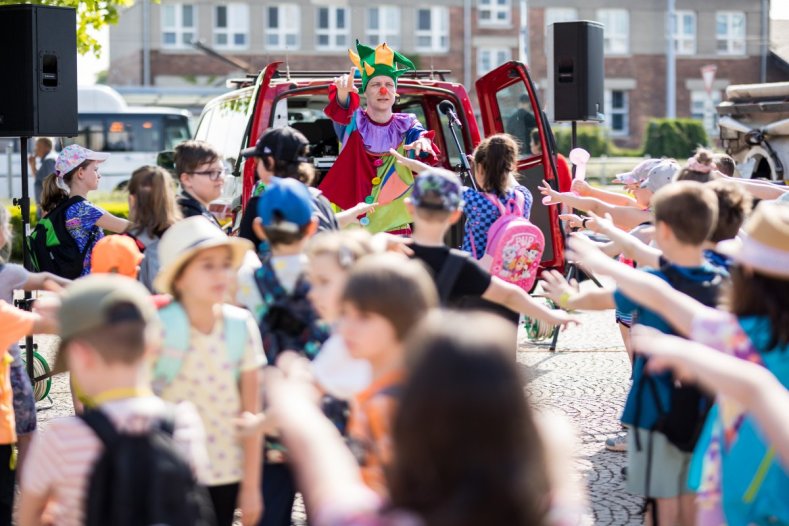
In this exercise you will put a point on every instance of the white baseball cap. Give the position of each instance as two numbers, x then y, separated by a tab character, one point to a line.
73	155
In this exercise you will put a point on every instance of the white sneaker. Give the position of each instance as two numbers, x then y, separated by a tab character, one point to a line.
618	444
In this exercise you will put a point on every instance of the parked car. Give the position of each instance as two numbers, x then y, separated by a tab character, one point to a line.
754	129
275	97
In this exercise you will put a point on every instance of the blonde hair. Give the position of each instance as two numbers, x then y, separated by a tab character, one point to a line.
154	208
346	247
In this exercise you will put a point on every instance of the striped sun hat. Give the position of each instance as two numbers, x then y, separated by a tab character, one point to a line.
765	245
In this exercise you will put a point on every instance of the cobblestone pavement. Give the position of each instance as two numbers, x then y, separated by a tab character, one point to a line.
586	379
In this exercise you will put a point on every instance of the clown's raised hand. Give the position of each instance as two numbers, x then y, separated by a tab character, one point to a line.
345	86
419	146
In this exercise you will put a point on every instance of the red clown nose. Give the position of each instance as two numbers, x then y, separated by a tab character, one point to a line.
383	91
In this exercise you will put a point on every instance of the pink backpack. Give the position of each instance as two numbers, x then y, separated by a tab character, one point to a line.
515	245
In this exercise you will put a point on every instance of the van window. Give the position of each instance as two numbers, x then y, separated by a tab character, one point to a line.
518	115
223	126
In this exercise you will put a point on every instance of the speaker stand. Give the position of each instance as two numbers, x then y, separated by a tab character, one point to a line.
24	204
571	267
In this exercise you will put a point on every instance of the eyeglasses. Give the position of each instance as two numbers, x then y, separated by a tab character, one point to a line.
213	175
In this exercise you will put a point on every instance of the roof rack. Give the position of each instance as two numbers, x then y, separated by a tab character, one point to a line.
440	74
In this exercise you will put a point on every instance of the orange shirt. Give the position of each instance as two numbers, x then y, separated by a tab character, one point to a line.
370	428
14	324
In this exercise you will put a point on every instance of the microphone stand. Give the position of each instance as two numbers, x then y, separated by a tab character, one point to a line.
465	167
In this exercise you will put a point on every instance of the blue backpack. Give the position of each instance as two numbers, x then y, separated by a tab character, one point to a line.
176	342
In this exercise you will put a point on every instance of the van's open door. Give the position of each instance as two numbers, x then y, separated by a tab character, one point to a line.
508	104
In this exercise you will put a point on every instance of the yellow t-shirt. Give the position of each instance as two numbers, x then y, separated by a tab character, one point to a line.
208	380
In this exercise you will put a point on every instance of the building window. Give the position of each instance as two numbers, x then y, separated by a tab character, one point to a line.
702	108
616	30
178	25
332	28
283	26
684	32
617	116
383	25
432	29
494	12
231	26
730	32
491	58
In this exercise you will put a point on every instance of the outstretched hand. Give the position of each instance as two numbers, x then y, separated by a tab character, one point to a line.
345	86
420	145
557	288
586	253
547	191
412	164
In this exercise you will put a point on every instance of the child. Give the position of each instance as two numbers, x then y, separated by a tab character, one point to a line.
685	215
731	455
435	205
201	174
287	319
76	174
14	324
384	297
211	356
15	277
104	337
468	448
152	210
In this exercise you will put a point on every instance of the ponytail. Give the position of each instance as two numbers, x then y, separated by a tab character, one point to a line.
52	194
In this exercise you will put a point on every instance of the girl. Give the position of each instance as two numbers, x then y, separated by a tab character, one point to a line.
730	454
152	211
211	356
76	174
331	256
15	277
508	468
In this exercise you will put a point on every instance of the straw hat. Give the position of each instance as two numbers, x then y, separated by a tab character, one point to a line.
185	239
765	247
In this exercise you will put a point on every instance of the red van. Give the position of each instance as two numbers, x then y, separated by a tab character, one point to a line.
277	97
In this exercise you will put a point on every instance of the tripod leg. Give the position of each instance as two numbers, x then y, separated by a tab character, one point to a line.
570	274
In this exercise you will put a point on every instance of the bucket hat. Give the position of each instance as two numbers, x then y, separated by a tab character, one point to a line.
764	247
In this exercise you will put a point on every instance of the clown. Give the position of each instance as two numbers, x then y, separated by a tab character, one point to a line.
365	171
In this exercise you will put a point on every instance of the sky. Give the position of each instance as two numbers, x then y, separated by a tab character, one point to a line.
89	65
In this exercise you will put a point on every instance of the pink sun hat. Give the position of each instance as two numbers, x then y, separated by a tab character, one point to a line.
73	155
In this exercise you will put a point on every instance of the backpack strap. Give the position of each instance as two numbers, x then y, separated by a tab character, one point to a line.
449	273
174	345
101	425
235	321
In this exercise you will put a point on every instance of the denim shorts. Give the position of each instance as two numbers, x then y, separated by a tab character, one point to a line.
24	402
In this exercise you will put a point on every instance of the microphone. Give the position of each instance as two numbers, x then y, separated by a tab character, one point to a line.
448	109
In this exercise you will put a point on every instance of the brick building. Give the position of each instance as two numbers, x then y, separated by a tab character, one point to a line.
314	34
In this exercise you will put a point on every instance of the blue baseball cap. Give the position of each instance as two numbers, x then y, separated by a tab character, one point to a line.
285	205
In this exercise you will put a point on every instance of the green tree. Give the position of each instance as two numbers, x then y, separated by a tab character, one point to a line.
92	15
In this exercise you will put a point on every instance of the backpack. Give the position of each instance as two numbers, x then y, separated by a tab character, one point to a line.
51	246
143	479
176	344
515	246
288	321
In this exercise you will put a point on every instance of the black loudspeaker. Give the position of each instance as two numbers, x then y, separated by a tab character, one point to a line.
576	71
38	58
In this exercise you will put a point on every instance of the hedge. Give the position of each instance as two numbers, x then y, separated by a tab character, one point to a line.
116	208
593	139
677	138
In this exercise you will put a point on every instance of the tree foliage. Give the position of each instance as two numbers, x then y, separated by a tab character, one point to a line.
92	15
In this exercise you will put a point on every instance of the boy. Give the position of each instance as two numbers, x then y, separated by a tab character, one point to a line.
104	337
287	320
385	296
685	216
201	174
435	205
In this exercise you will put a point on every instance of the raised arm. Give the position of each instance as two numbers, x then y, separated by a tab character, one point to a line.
752	386
518	300
584	189
113	223
628	244
645	289
567	295
625	217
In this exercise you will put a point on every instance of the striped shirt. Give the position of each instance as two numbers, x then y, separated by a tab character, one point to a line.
62	457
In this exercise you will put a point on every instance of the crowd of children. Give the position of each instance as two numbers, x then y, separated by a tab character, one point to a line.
219	374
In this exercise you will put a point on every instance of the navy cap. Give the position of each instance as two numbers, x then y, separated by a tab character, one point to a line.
283	144
286	204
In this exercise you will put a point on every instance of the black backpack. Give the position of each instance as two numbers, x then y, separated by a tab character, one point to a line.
143	480
682	421
51	246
